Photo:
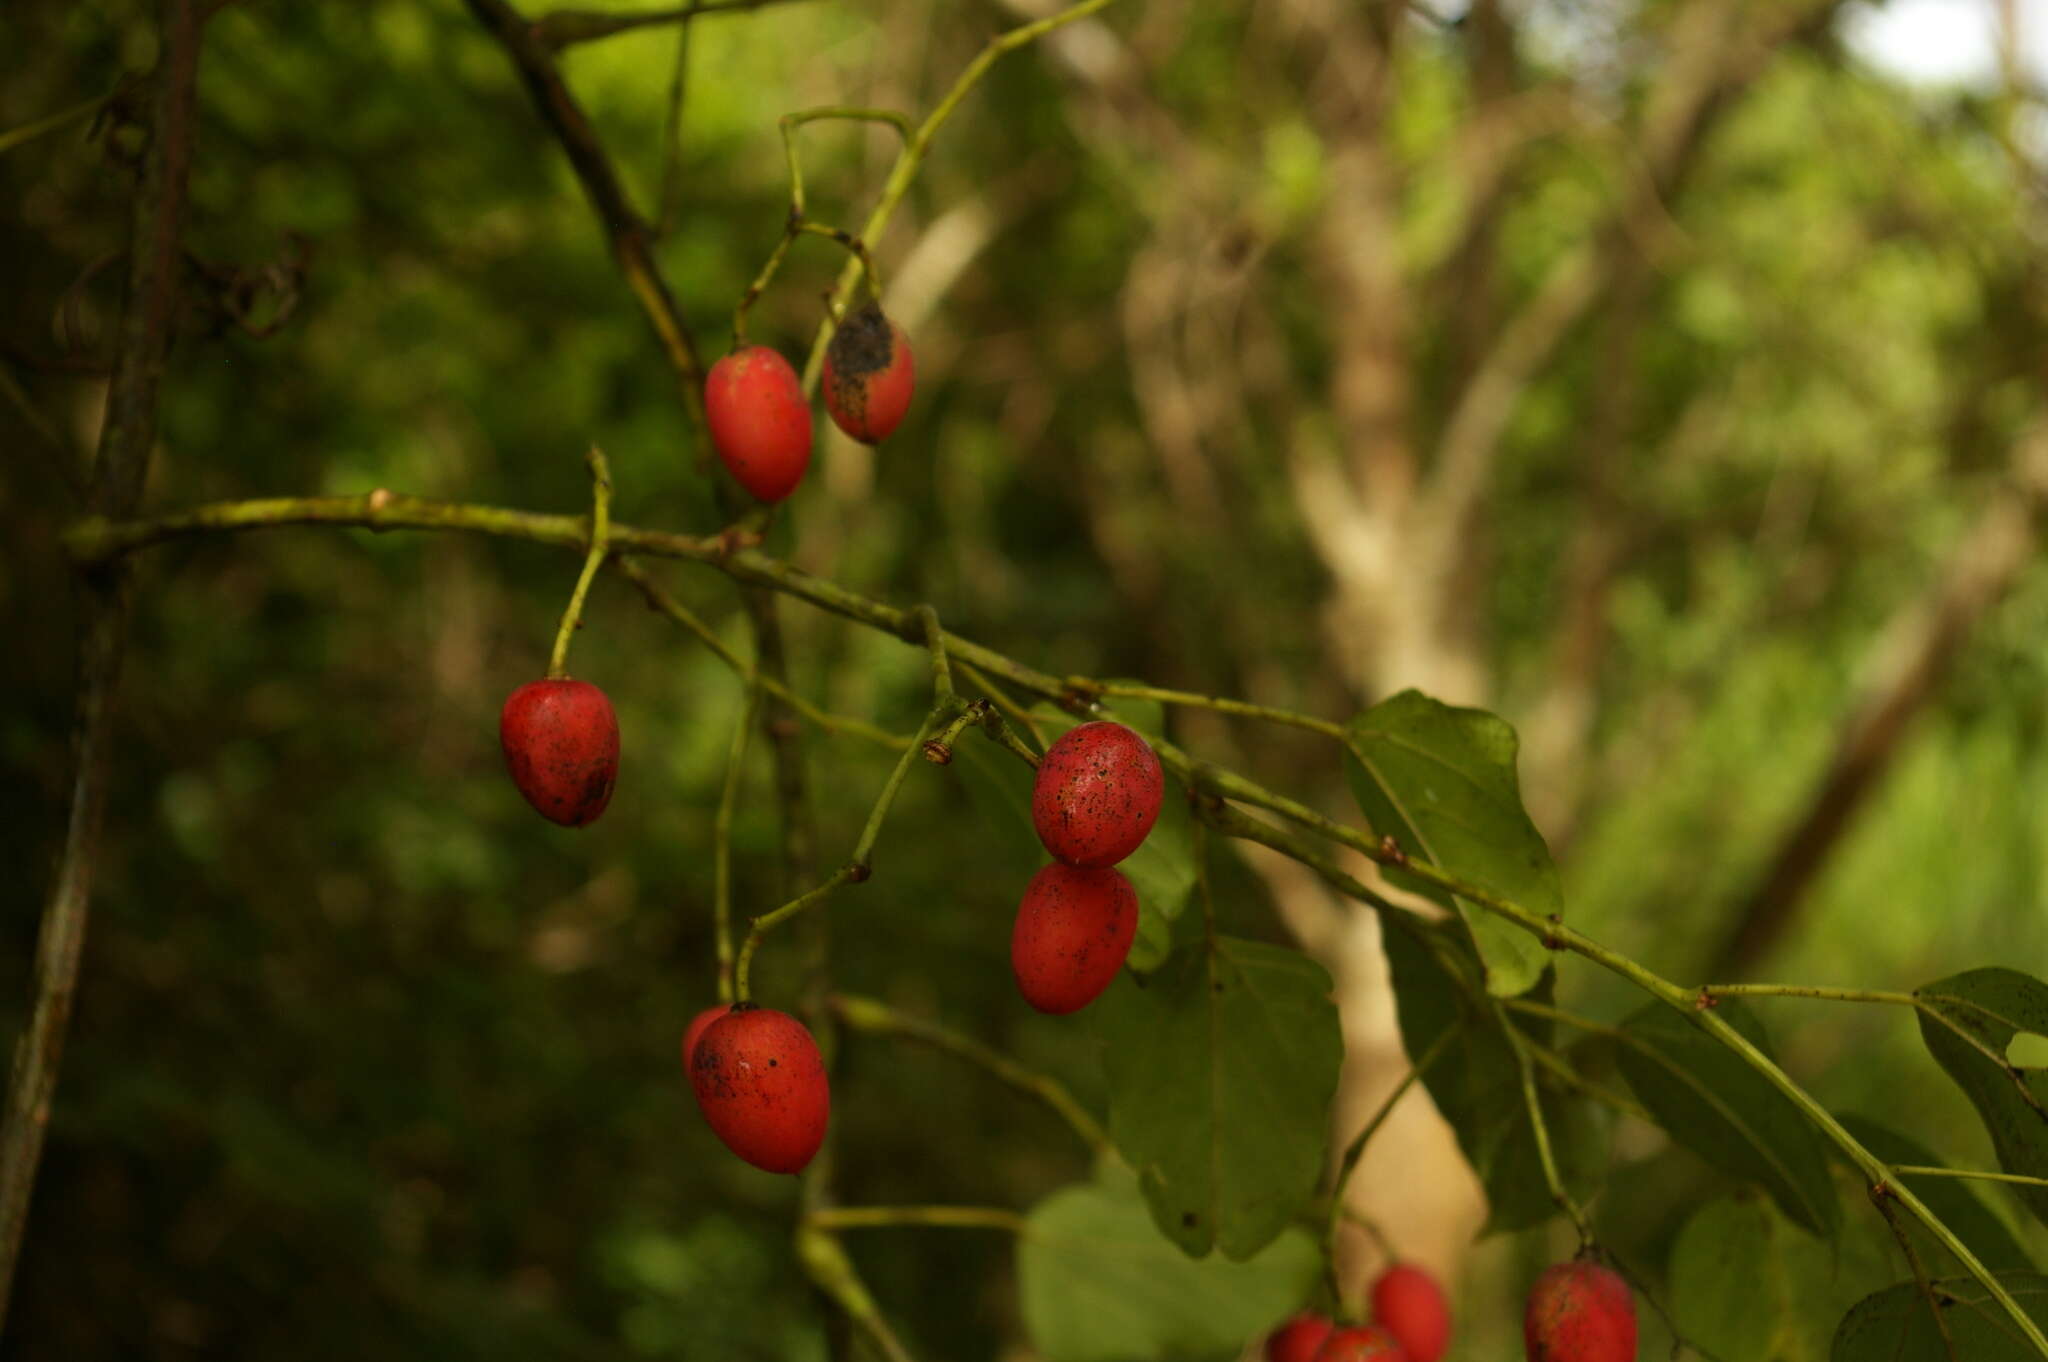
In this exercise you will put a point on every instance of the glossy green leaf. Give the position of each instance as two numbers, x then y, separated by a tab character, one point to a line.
1745	1283
1898	1324
1098	1284
1717	1106
1441	781
1221	1066
1981	1011
1476	1081
1952	1200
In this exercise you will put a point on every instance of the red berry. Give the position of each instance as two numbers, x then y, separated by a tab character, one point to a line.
1298	1339
1367	1343
695	1030
868	375
1409	1304
1074	929
760	1083
561	742
1097	794
1580	1312
760	423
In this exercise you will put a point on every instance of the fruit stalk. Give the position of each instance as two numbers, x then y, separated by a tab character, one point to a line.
600	534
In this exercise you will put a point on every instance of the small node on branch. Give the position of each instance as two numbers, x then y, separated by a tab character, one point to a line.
380	500
784	727
1880	1192
1705	1002
1551	940
858	872
1391	853
937	753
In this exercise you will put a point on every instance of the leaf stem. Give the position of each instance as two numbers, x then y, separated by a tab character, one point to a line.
1355	1151
721	853
600	528
945	1217
877	1018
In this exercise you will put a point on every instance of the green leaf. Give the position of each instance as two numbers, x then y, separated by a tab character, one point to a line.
1098	1284
1476	1082
1951	1199
1898	1325
1745	1282
1221	1066
1441	781
1991	1007
1726	1112
1163	869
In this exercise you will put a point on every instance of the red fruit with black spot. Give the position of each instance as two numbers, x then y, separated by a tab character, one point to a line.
1580	1312
1097	794
760	1083
869	375
1362	1343
561	742
1298	1339
760	423
1074	930
1408	1303
694	1032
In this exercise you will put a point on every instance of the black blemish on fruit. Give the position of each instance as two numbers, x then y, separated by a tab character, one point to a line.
862	345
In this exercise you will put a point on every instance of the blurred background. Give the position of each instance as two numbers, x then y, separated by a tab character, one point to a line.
1662	374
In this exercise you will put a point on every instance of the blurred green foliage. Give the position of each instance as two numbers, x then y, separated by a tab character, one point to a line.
368	1062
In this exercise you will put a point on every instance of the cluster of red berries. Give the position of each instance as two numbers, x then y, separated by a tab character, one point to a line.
1411	1322
760	423
1096	797
1577	1312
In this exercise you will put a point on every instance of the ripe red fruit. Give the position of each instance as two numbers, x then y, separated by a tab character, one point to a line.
1408	1303
1298	1339
1097	794
1368	1343
868	375
1580	1312
760	1083
1074	929
695	1030
760	423
561	742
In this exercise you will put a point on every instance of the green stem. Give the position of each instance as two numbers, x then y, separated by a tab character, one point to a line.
938	749
947	1217
911	158
1539	1128
878	1018
1006	738
721	845
1355	1151
826	1264
1220	704
1016	712
790	122
29	132
662	603
568	27
769	921
600	527
935	644
1976	1175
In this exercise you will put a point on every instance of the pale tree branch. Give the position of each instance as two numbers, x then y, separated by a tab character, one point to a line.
1911	656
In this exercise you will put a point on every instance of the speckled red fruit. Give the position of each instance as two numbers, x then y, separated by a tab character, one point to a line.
1580	1312
1074	929
1097	794
1408	1303
1298	1339
561	742
760	1083
868	375
694	1032
1365	1343
760	423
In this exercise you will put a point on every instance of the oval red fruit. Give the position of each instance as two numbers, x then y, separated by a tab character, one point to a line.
1580	1312
1074	930
694	1032
1408	1303
761	1085
869	375
1365	1343
1097	794
561	742
760	423
1298	1339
